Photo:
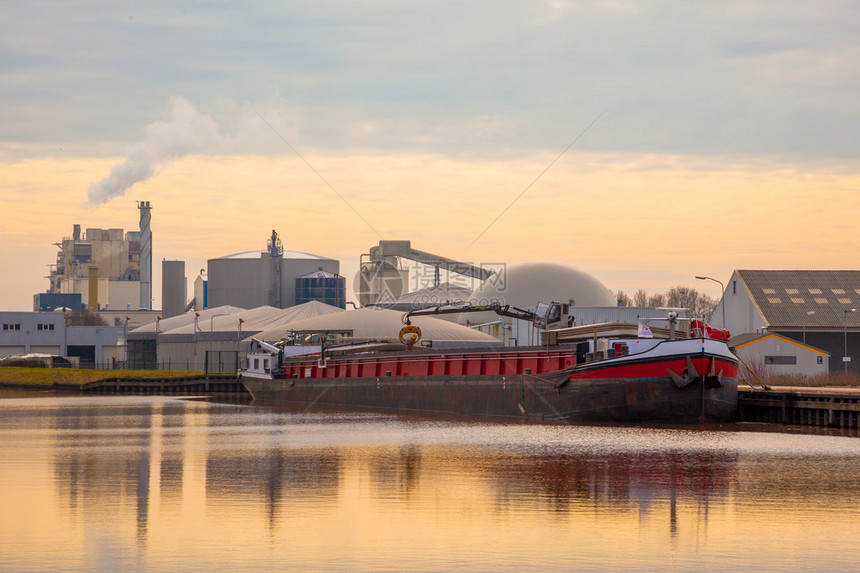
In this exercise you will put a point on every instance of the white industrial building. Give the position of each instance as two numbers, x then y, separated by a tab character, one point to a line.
47	333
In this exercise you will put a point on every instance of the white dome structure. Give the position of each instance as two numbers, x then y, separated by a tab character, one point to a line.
524	285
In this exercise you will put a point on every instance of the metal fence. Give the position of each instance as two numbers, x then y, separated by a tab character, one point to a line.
214	362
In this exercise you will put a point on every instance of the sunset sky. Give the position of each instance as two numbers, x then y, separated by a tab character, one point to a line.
703	137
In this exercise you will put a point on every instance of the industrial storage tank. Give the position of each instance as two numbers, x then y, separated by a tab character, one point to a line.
322	286
258	278
173	288
526	284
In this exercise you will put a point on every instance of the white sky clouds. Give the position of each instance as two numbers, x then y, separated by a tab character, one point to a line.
777	78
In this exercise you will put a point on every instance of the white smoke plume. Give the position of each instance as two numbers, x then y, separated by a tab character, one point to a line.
186	131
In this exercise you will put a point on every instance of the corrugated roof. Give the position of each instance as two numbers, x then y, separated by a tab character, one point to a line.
785	297
379	323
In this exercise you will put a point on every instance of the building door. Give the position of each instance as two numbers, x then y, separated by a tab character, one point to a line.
87	354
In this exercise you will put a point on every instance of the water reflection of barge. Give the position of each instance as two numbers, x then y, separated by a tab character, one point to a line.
601	373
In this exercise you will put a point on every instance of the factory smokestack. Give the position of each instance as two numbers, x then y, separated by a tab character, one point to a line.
145	255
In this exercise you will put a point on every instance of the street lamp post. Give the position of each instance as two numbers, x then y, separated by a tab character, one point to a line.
722	296
212	340
846	359
238	343
125	340
196	328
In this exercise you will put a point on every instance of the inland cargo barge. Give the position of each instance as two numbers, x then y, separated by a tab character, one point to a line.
601	373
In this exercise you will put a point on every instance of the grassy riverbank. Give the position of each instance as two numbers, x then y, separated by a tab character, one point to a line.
38	377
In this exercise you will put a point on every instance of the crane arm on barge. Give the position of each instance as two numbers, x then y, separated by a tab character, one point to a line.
411	334
500	309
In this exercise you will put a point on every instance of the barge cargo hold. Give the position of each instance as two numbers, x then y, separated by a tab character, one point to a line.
634	380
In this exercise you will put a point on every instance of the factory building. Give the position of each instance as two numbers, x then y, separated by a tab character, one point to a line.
212	340
102	269
264	278
47	333
816	308
143	341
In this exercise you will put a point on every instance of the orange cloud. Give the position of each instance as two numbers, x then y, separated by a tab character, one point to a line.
633	220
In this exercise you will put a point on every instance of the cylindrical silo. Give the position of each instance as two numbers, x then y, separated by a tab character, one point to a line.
173	288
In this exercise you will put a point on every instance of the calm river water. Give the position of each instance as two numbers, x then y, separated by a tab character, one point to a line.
162	484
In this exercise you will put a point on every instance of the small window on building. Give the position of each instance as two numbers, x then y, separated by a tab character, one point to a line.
780	360
768	291
844	300
734	287
11	326
820	300
819	359
774	300
797	300
256	363
792	291
815	291
837	290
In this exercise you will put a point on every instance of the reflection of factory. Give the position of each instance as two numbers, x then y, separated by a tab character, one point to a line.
102	269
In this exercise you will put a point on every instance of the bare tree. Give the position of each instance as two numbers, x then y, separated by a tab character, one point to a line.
656	300
623	299
640	298
699	304
84	318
